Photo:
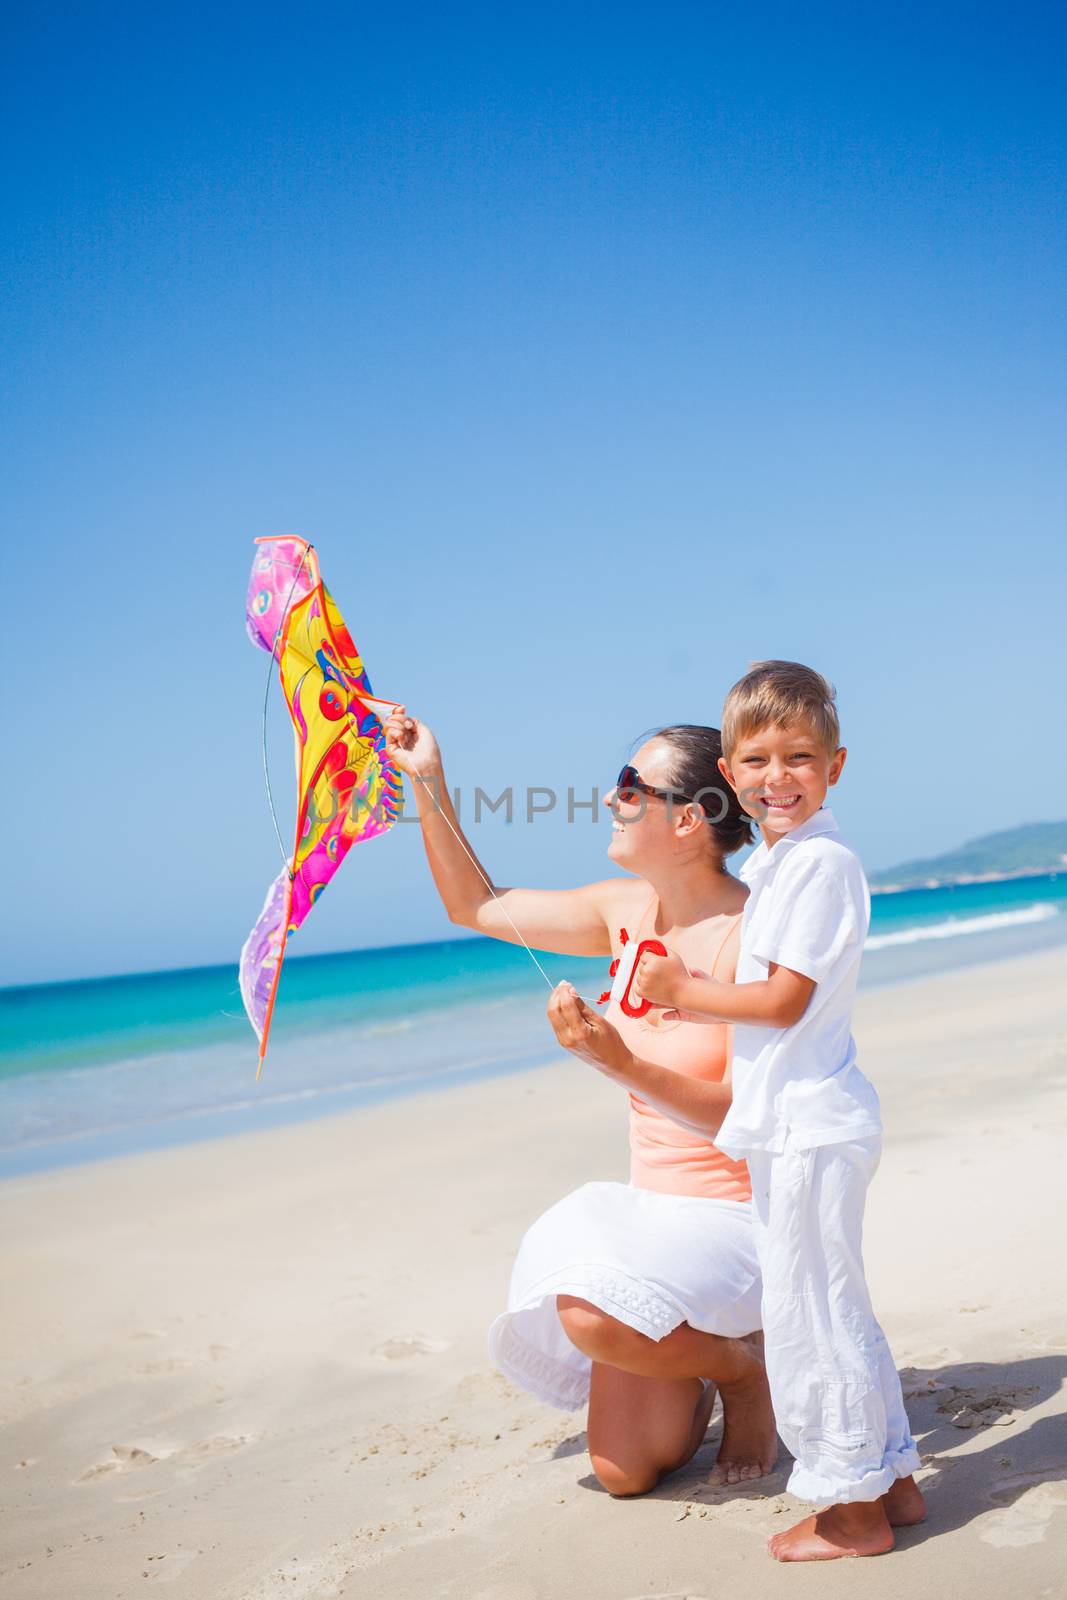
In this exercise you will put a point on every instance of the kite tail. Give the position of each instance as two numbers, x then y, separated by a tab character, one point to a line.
277	976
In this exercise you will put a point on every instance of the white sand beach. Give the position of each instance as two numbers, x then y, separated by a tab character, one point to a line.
256	1367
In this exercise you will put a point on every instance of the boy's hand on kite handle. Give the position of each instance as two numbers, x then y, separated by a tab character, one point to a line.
410	744
586	1034
659	978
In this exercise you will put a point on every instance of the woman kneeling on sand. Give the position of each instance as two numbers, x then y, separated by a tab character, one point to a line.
642	1298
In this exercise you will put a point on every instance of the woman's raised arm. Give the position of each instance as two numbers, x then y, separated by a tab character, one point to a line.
572	922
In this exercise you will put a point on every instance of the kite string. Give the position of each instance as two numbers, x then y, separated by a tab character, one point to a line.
478	868
266	698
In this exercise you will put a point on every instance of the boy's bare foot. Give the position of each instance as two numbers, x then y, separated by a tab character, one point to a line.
855	1530
749	1446
904	1504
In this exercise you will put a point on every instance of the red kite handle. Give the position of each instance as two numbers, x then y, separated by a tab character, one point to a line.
628	1006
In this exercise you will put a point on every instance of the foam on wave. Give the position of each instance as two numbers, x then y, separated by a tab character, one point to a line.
957	927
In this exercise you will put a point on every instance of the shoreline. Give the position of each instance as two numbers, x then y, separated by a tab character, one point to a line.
147	975
259	1109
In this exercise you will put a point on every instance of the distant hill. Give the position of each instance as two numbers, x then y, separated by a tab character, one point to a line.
1035	848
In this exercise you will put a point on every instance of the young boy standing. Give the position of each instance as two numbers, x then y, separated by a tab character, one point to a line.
802	1115
807	1122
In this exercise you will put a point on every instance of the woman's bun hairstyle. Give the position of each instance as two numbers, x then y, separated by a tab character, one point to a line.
695	753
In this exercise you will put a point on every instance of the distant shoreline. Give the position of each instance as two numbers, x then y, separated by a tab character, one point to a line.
960	880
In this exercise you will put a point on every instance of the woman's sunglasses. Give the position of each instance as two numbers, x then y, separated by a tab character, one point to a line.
629	784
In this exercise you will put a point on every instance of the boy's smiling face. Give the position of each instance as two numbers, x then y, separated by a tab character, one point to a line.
781	775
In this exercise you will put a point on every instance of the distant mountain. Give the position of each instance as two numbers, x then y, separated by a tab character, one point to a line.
1036	848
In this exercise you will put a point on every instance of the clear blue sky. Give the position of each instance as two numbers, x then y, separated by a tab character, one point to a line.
601	349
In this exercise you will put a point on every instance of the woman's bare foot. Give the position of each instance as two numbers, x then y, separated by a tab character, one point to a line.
855	1530
903	1504
749	1446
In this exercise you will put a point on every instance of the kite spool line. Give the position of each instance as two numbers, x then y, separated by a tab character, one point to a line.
478	869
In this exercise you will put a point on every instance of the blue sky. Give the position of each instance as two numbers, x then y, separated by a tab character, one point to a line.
601	350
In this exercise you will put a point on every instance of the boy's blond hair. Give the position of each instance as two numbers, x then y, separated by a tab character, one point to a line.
775	694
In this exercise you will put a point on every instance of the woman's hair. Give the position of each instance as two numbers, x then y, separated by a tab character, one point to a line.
695	753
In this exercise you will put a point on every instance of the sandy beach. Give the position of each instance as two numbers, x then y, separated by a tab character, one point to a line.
256	1366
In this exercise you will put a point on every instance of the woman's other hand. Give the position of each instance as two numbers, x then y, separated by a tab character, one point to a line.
586	1034
410	744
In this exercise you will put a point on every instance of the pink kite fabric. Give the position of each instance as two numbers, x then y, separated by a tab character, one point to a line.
347	788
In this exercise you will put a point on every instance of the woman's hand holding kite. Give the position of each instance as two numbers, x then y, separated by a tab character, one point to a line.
410	745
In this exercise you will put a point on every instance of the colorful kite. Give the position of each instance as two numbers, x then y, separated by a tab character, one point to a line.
347	787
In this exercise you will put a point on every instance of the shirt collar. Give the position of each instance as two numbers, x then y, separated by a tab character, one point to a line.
762	858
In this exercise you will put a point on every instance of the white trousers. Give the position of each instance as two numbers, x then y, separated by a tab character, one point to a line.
836	1393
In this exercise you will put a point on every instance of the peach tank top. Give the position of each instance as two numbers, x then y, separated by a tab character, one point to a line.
664	1156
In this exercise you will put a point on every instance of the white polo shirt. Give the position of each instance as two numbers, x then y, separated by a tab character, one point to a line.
808	909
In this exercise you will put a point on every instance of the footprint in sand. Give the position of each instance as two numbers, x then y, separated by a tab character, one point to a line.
222	1444
128	1458
931	1360
182	1362
486	1383
123	1458
401	1349
977	1408
1051	1346
919	1390
1027	1521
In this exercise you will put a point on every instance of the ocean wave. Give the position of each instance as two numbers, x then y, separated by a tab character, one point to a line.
36	1132
955	927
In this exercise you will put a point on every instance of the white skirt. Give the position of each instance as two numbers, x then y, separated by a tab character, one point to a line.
649	1260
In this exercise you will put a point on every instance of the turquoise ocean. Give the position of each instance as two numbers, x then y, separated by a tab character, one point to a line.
113	1065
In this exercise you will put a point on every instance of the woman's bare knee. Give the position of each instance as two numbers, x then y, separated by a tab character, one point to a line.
623	1481
588	1328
